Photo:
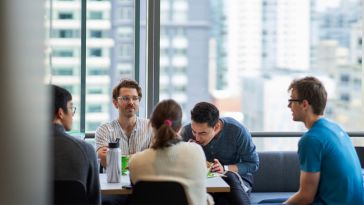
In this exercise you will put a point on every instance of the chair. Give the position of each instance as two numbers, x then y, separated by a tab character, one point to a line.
69	192
158	192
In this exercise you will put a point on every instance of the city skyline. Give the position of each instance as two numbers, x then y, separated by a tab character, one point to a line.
198	49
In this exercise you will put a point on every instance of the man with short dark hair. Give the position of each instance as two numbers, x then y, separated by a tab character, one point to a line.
330	168
228	144
134	133
73	159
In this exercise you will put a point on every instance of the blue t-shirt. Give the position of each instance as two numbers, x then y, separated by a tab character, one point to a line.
232	145
326	148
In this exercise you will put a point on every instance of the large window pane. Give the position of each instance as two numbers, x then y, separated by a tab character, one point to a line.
63	23
110	45
110	53
242	55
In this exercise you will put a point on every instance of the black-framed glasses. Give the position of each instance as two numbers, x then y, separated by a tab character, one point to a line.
73	109
128	98
294	100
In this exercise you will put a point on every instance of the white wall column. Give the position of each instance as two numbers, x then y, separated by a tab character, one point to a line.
24	104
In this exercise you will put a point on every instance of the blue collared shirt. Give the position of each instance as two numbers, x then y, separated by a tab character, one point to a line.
233	145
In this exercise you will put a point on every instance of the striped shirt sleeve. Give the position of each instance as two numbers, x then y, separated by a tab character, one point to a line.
102	136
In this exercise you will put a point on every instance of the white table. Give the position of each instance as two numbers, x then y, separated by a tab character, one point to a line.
215	184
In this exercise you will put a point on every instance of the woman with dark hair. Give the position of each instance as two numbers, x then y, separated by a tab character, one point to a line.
170	158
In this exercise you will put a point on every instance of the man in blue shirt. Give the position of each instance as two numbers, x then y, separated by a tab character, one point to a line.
228	144
330	168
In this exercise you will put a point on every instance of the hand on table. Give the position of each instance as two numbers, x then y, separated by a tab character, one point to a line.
217	167
102	152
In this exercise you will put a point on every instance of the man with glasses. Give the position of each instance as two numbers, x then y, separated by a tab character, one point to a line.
133	133
330	168
73	159
229	146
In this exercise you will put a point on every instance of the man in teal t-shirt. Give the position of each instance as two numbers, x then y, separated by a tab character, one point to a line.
330	168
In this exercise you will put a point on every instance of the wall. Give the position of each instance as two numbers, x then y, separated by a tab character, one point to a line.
23	121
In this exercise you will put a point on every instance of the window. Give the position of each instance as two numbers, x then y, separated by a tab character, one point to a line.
95	34
345	97
245	74
93	125
69	88
94	90
63	53
125	51
63	71
125	32
97	71
94	108
180	88
125	13
95	15
95	52
63	49
65	16
66	33
181	52
179	70
345	78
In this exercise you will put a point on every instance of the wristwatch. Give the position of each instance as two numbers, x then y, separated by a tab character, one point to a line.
226	167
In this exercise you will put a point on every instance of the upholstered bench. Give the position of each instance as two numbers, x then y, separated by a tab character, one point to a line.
277	177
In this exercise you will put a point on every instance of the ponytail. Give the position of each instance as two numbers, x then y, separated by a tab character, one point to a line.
165	136
166	121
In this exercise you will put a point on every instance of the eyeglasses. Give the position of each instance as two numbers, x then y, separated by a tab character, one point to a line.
294	100
128	98
73	109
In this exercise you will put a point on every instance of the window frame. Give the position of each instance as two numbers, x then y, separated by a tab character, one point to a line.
152	68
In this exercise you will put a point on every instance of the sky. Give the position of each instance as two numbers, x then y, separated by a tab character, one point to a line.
323	4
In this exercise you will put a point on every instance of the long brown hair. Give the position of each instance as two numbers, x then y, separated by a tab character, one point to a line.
166	121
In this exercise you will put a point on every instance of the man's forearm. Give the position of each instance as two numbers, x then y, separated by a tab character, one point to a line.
308	188
299	198
296	199
102	156
247	167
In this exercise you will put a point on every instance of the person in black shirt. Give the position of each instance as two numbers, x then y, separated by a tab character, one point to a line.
73	159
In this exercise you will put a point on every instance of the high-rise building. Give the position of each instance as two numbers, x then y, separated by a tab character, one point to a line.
217	46
244	40
335	23
339	55
64	22
252	36
265	100
122	53
184	38
348	79
286	34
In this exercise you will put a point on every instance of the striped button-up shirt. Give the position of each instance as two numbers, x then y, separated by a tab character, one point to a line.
140	138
